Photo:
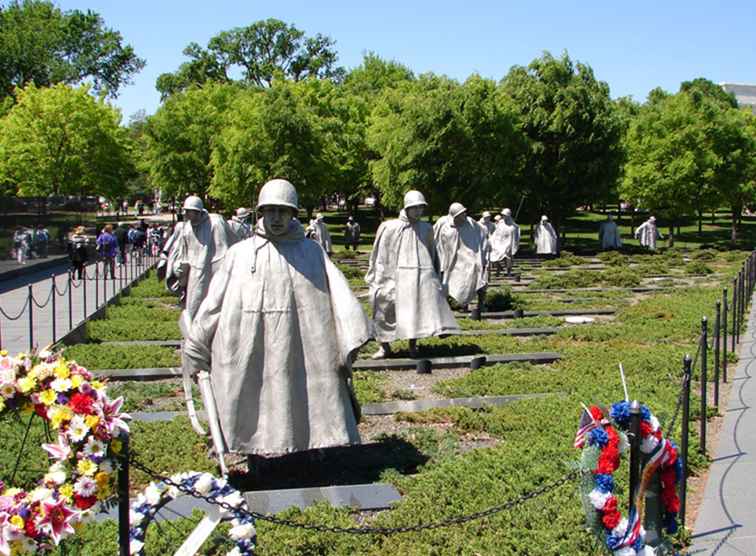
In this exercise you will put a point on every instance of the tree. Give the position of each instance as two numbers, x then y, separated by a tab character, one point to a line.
573	134
40	44
454	142
260	51
62	141
282	131
179	139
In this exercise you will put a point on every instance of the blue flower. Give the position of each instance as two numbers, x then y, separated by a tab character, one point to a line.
620	412
605	483
645	413
613	542
670	522
598	436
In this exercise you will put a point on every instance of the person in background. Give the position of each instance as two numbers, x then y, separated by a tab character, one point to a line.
107	245
22	243
41	241
77	250
351	234
121	234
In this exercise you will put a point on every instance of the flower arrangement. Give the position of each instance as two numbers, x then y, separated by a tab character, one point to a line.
603	440
81	476
156	495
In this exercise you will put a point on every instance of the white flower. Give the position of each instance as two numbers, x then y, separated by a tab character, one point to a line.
654	423
135	518
45	352
78	429
627	551
598	498
94	447
234	499
648	551
106	466
620	529
61	384
649	444
85	487
153	493
7	390
135	546
41	494
204	484
56	474
242	531
234	552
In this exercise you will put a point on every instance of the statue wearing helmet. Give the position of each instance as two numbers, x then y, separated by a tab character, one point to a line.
277	332
647	233
197	249
545	238
318	231
462	248
405	291
505	241
240	223
609	234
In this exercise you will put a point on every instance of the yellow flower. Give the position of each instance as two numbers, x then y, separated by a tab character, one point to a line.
86	467
103	485
17	521
27	409
76	381
3	352
97	385
48	397
2	404
61	370
91	421
116	445
34	373
58	414
67	491
26	384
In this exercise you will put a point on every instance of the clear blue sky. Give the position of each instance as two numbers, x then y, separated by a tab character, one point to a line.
633	46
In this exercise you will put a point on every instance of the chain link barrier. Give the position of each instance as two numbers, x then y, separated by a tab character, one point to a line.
454	520
65	290
23	310
43	305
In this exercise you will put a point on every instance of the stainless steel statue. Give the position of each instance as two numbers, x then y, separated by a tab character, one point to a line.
609	234
647	233
505	241
318	231
545	238
277	332
405	291
462	248
241	223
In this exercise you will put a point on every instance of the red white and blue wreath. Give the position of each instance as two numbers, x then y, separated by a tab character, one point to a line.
156	495
603	438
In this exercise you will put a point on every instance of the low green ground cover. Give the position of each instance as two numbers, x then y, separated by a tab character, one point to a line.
97	356
149	286
127	330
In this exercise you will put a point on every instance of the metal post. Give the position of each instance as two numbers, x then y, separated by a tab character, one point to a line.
70	301
30	301
724	335
53	295
734	312
123	498
83	282
97	286
704	382
635	438
687	362
717	322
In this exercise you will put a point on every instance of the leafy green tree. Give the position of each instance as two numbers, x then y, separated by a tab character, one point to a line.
61	140
40	44
260	51
454	142
178	139
281	131
572	130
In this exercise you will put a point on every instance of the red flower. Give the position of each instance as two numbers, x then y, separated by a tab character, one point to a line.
31	531
84	503
668	478
670	500
81	403
41	410
608	460
610	505
596	413
611	519
613	437
646	429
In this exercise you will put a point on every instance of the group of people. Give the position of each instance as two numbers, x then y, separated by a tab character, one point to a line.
30	242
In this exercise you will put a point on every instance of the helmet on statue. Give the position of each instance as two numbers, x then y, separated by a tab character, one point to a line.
192	202
455	209
278	192
414	199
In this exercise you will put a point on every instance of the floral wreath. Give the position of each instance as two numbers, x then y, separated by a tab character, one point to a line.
603	440
156	495
82	474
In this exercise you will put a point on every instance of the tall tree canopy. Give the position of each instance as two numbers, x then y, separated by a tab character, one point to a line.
61	140
40	44
179	139
260	51
572	130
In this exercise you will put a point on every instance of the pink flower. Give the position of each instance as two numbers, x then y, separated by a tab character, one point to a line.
5	533
60	451
112	417
56	520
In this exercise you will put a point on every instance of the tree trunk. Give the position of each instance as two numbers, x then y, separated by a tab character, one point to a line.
734	227
700	222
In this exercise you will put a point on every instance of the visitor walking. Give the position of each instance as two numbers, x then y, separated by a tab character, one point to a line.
77	250
22	243
107	245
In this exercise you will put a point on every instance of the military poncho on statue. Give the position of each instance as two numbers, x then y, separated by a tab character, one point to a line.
198	247
318	231
277	332
647	233
487	223
462	247
545	238
405	292
609	234
505	241
240	223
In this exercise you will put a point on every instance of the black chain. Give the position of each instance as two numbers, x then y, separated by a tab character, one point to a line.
23	310
455	520
65	290
680	395
43	305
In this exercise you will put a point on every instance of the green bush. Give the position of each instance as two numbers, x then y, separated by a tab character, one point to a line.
613	258
566	280
620	278
698	267
96	356
142	313
500	299
149	286
124	330
564	259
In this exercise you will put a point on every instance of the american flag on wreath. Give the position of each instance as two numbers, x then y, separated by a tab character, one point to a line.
590	423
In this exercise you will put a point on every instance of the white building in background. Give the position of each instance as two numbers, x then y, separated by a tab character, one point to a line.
744	94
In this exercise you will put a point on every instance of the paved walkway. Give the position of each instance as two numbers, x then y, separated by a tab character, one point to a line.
726	523
71	304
